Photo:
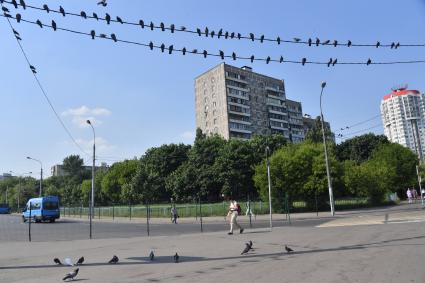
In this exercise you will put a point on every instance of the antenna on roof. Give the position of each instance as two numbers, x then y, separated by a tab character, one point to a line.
399	87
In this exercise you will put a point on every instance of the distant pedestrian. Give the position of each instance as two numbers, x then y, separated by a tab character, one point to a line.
174	215
414	194
234	211
409	195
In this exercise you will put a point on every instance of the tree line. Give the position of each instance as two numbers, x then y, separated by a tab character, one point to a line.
365	166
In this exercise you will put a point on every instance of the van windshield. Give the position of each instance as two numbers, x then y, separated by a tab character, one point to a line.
50	205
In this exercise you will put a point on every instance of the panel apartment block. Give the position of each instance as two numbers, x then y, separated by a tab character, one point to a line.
403	116
238	103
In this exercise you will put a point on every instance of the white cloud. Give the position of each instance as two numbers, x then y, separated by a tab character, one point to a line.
80	115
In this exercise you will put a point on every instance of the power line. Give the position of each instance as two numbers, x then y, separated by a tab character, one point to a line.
219	34
344	136
34	72
170	49
359	123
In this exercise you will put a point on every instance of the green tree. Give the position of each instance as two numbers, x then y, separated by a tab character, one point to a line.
315	135
73	166
155	167
360	148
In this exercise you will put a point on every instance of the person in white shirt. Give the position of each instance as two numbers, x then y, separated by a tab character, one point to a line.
233	213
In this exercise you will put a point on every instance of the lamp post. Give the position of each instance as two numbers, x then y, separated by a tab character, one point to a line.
92	177
420	186
270	186
331	197
41	174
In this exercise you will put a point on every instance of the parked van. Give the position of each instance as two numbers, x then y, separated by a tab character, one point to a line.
42	209
4	208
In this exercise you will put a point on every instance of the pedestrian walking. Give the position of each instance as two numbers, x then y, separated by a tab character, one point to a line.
234	211
174	215
409	195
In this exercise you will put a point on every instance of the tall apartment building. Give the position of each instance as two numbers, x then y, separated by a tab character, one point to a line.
238	103
403	116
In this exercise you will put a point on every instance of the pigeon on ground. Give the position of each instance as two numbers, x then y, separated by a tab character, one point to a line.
246	249
250	244
80	261
176	258
288	249
114	259
151	256
57	261
71	275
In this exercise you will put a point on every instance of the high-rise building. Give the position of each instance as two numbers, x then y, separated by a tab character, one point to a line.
403	114
238	103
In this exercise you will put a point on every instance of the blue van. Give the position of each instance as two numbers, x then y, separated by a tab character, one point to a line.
42	209
4	208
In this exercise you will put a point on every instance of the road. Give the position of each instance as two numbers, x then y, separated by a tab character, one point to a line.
12	229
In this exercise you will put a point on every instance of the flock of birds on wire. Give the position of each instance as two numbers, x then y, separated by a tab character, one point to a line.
114	260
207	32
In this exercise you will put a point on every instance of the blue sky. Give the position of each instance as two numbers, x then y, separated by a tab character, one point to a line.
140	98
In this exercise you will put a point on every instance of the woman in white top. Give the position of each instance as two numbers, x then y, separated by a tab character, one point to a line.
233	213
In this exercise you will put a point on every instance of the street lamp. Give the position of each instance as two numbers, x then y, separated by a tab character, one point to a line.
331	197
92	177
41	174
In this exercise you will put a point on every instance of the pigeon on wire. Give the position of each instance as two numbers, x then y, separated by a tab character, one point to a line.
113	37
176	258
71	275
54	26
14	3
114	260
103	3
45	7
6	10
288	249
151	256
33	69
83	14
23	4
93	34
369	61
108	18
297	39
349	43
39	23
68	261
62	11
95	16
335	43
80	261
18	18
57	261
246	249
120	20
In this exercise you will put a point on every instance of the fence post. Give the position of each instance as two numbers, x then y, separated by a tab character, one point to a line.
200	213
130	211
99	212
113	212
29	225
147	217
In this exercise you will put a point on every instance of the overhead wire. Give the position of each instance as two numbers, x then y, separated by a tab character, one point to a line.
359	123
34	72
205	53
219	34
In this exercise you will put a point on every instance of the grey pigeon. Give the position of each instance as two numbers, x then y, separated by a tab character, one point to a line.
23	4
288	249
103	3
62	11
246	249
71	275
151	256
57	261
80	261
250	244
176	258
114	259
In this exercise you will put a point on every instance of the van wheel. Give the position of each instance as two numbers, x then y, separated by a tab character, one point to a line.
37	220
52	220
24	219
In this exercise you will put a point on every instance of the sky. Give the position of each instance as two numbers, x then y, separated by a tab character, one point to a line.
138	98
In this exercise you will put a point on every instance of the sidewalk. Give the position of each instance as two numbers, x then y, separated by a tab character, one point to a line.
335	254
